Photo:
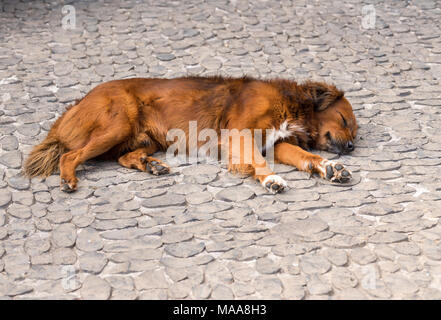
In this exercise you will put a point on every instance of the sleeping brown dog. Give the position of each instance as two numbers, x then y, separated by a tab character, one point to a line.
129	120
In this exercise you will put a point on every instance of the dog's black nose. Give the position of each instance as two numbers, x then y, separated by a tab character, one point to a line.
350	146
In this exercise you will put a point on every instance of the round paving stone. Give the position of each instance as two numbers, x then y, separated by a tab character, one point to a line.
314	264
89	240
11	159
83	221
36	245
336	257
93	262
64	256
306	227
119	294
175	236
30	129
5	197
268	286
202	169
267	266
104	70
19	211
166	56
151	280
166	200
387	237
19	182
317	285
400	285
362	256
63	68
216	272
16	264
184	249
64	235
201	291
221	292
297	196
95	288
120	282
9	143
235	194
342	278
58	217
407	248
198	198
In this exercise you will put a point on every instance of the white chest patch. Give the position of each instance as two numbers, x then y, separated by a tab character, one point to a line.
285	130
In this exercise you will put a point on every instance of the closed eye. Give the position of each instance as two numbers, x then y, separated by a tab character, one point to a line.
345	124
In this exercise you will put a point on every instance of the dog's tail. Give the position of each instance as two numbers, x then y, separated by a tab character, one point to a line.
44	158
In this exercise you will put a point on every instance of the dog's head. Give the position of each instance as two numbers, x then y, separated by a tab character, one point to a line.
336	124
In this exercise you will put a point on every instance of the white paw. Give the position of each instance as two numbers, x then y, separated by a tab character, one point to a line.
334	171
274	183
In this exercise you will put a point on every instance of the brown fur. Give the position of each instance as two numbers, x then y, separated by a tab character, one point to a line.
125	118
44	158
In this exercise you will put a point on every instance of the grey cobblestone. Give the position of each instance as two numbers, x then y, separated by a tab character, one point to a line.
203	233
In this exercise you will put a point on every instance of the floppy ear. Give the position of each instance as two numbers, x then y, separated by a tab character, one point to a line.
322	94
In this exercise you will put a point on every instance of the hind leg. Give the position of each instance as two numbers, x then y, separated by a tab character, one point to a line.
97	145
140	159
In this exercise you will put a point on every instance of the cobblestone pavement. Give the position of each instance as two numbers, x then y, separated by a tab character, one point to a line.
201	232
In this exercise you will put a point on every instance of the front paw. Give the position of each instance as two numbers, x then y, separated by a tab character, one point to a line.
156	167
334	171
274	183
68	186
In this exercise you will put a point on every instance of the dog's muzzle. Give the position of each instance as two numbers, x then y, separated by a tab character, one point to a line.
341	148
